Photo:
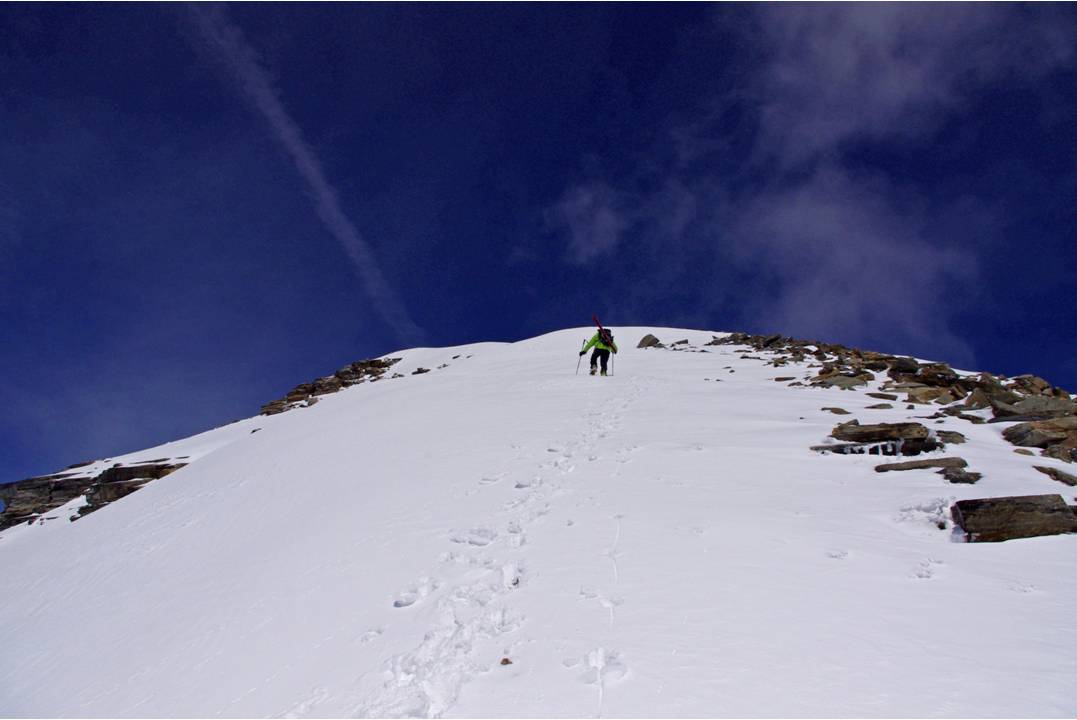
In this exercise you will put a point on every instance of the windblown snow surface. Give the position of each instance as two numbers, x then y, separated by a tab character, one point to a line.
657	543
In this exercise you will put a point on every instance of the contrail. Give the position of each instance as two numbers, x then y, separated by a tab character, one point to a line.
232	49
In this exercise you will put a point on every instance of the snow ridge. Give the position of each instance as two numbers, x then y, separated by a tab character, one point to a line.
499	537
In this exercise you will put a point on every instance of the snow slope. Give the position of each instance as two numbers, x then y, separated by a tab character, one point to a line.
656	543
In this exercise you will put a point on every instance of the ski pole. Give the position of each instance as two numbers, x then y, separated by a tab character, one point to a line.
613	364
581	357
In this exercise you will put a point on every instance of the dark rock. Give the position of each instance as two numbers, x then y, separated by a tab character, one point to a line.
844	382
1059	475
27	499
679	342
920	464
950	437
1041	433
905	438
352	374
837	410
881	396
977	400
1030	385
1007	518
420	371
272	408
904	365
1062	451
784	379
937	375
326	385
1041	407
880	406
853	431
927	394
959	476
649	340
1023	451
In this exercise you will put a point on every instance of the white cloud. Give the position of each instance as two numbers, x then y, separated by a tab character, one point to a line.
885	70
753	196
227	43
595	219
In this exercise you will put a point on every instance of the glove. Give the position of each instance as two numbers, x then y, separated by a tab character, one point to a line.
582	353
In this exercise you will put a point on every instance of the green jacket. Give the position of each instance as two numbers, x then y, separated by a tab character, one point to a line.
596	341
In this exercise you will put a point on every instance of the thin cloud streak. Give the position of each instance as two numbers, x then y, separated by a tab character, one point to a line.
231	48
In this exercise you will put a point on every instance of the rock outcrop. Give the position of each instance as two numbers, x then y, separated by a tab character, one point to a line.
1007	518
1057	437
1044	411
27	500
305	394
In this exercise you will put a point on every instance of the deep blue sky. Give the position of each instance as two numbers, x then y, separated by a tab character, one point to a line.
202	207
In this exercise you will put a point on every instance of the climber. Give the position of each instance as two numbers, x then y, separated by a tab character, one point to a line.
603	345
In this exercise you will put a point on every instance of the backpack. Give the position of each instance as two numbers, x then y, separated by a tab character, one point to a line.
606	336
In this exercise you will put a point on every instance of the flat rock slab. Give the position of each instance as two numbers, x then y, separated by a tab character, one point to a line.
882	396
1008	518
910	438
853	431
920	464
1042	433
1056	474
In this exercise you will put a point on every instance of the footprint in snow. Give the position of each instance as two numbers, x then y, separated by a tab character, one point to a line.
926	569
599	666
530	482
422	588
610	603
490	480
1023	588
369	636
837	554
479	537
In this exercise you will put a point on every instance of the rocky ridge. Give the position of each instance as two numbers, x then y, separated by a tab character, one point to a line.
1045	417
32	499
356	373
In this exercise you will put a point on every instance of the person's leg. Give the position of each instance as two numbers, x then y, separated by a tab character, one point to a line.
594	360
605	357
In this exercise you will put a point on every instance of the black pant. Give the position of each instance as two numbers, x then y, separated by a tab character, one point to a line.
600	354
